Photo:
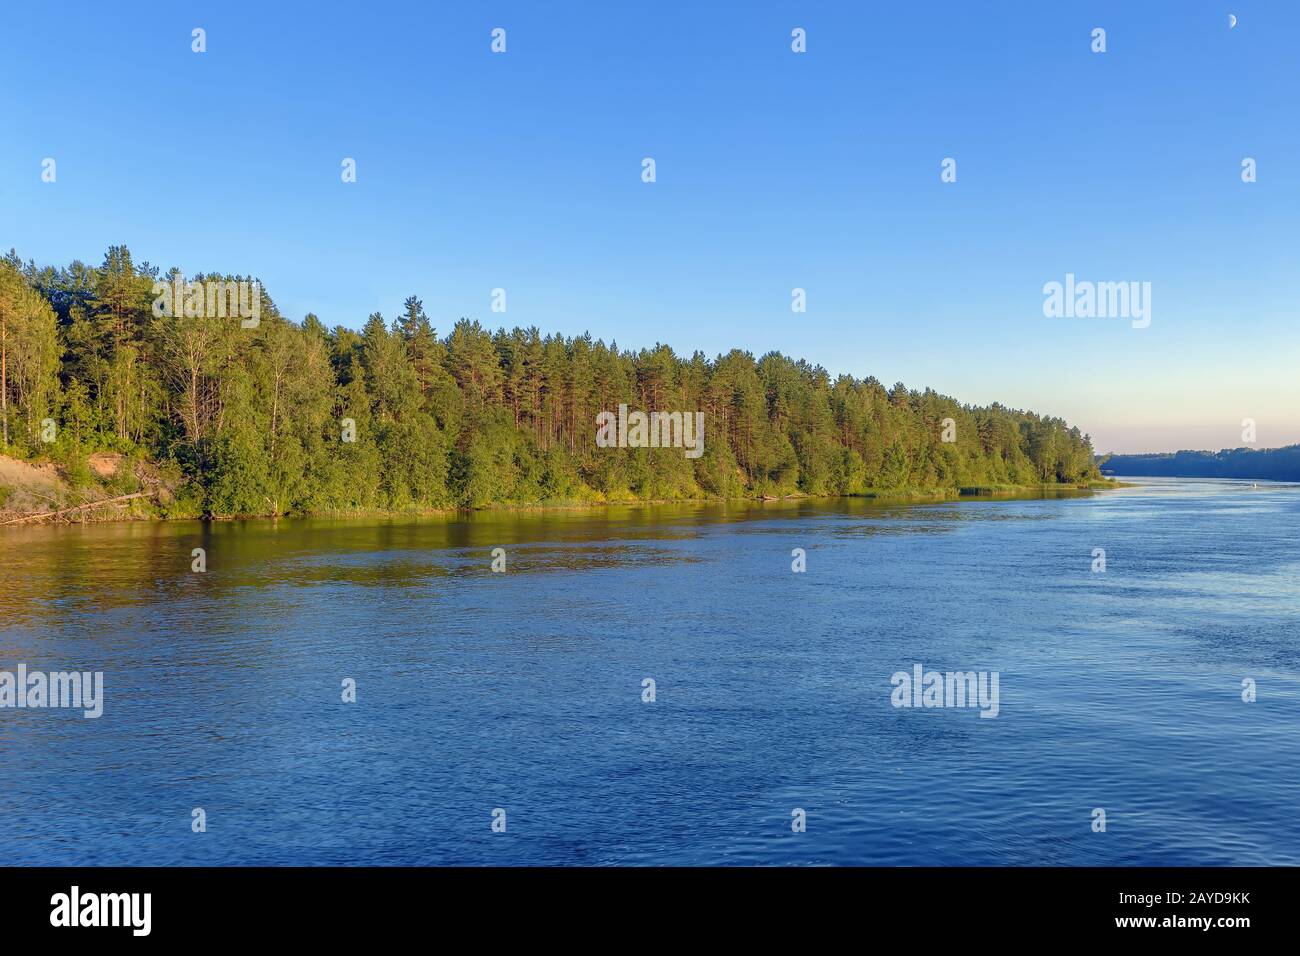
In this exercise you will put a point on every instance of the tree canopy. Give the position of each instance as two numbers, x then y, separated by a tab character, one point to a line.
254	418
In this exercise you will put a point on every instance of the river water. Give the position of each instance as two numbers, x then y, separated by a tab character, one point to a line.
524	691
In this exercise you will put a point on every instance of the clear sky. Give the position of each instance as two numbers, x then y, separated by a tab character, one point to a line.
775	170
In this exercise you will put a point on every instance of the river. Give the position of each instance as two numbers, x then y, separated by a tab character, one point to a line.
525	690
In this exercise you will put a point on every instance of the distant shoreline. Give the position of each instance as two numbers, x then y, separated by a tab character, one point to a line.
1247	464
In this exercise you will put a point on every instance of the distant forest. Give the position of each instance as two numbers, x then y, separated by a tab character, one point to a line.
246	421
1276	464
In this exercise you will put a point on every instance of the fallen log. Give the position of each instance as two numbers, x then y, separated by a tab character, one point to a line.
55	515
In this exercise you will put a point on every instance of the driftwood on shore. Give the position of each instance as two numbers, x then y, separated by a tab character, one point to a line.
61	514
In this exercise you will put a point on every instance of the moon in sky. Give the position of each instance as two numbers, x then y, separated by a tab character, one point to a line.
1232	20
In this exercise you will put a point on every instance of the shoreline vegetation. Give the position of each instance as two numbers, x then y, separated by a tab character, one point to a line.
110	509
119	402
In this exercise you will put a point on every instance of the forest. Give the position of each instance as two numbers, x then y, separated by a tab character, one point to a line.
1272	464
238	421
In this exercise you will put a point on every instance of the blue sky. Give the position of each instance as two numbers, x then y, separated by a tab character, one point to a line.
775	170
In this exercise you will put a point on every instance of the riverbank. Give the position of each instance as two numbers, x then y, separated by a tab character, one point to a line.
118	490
107	487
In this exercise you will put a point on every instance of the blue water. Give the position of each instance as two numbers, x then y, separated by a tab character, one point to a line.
522	690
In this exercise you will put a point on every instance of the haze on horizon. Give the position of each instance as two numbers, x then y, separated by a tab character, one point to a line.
774	171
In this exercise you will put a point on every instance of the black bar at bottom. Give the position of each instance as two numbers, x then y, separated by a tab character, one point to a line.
375	904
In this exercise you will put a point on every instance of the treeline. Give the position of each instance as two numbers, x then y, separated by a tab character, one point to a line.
250	420
1275	464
